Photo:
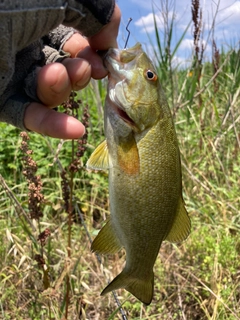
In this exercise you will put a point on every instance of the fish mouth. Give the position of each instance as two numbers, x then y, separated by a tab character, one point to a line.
125	117
120	111
118	63
125	55
121	57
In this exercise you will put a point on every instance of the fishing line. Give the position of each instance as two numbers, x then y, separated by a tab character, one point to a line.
123	314
129	21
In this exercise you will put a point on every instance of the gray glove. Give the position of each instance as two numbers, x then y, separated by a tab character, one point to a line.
31	36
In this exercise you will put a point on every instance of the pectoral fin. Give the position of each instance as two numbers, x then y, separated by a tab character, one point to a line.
106	241
181	226
99	159
128	157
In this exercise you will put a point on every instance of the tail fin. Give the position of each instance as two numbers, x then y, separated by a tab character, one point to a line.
142	289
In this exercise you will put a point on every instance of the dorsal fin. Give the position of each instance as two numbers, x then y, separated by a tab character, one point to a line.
181	226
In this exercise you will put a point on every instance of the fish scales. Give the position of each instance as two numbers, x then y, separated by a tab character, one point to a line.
145	183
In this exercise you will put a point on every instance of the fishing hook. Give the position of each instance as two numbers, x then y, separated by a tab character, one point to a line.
129	20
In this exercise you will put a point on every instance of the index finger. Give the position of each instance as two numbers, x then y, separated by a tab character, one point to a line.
75	44
41	119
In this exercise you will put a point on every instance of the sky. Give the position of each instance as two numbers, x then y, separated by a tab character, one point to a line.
225	13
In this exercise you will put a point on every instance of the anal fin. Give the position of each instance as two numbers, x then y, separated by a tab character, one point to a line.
106	242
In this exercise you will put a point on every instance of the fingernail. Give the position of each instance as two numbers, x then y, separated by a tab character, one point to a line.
60	85
80	84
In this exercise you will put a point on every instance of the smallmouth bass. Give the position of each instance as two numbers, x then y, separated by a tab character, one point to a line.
145	183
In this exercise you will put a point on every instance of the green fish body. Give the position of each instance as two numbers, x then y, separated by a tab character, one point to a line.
145	184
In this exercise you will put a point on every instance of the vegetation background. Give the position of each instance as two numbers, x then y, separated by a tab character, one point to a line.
51	206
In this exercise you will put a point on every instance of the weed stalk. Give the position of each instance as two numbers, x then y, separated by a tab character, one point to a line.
72	107
35	202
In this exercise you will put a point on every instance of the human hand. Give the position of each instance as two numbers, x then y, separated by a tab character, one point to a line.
56	80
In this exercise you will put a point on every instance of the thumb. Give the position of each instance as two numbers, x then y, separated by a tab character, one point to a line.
107	37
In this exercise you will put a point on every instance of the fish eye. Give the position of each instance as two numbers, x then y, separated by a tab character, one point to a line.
151	75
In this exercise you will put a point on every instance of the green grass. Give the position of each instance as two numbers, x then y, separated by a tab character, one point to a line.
200	279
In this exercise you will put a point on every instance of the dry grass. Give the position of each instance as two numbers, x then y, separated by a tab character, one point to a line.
47	270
